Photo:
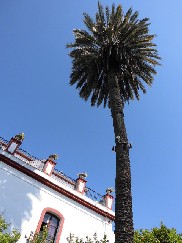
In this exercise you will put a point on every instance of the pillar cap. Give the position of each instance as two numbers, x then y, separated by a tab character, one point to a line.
53	157
109	190
20	137
82	175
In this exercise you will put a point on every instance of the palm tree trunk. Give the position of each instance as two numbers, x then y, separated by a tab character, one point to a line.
124	231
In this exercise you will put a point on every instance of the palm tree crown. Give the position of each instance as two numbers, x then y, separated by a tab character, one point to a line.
114	43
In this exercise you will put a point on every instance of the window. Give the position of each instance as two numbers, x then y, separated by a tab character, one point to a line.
53	221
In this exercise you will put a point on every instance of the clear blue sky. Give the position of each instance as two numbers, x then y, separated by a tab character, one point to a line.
36	99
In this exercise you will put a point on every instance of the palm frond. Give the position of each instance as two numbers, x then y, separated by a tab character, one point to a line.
113	42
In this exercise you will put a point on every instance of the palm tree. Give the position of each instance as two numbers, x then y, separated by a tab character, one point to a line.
111	61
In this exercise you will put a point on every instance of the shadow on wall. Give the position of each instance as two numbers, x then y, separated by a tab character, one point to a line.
16	199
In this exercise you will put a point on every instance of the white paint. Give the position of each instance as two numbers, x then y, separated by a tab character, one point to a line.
48	168
109	202
12	147
81	186
58	183
23	199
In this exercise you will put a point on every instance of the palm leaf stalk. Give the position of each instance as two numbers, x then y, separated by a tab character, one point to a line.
111	62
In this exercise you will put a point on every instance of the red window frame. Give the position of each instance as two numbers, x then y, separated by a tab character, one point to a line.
56	213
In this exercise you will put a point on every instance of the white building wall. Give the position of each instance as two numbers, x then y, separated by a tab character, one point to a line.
22	200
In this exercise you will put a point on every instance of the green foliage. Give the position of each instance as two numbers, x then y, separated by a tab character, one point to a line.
113	42
157	235
38	237
73	239
6	237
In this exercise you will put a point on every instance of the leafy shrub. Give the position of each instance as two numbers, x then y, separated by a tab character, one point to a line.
5	236
157	235
73	239
40	237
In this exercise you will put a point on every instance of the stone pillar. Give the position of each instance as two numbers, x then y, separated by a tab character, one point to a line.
50	164
15	143
81	182
108	198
